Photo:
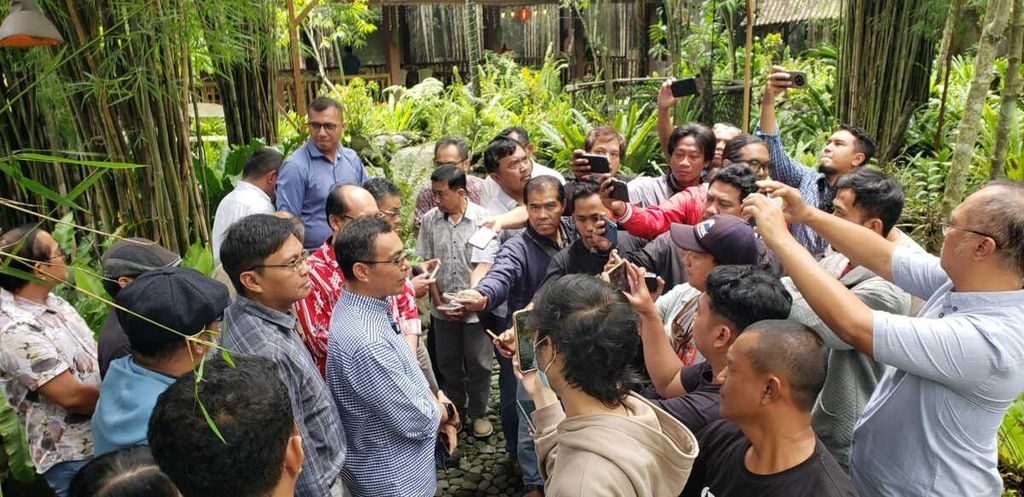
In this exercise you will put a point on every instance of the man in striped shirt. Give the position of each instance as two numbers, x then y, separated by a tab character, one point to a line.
391	416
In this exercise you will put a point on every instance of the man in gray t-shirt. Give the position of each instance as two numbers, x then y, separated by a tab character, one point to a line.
930	427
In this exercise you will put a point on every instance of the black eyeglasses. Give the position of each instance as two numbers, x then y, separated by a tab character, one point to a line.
315	126
947	226
757	165
398	261
294	265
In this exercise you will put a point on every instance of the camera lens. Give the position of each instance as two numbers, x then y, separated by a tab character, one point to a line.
798	80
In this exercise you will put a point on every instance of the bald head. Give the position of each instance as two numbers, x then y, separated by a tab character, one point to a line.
792	352
997	209
348	202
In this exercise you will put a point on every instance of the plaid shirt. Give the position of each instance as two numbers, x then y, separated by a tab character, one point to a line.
425	199
391	416
813	186
314	311
254	329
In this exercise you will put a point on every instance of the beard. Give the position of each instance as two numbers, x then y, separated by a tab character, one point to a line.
826	167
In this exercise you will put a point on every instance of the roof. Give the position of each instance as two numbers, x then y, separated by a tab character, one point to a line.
786	11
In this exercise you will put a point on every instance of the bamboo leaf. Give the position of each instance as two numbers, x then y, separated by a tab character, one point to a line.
224	354
209	420
37	188
19	459
87	183
34	157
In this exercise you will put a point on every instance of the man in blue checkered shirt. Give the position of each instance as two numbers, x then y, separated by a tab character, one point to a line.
848	148
391	418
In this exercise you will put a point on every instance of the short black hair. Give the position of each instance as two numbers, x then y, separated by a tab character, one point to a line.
452	141
248	243
381	188
129	472
594	329
583	189
793	351
358	242
320	104
602	133
701	134
542	182
250	406
19	246
262	162
876	193
450	175
744	295
733	147
498	149
738	174
522	137
864	143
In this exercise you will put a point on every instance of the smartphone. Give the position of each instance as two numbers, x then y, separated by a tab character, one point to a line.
524	341
651	280
598	163
798	78
482	237
433	274
617	276
611	231
451	306
684	87
619	190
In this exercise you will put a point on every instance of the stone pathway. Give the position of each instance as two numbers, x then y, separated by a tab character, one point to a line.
485	468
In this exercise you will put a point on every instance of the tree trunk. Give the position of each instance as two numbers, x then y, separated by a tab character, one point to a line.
948	32
1011	90
996	14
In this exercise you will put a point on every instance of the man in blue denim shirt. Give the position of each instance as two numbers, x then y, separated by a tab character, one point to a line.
930	426
848	148
307	175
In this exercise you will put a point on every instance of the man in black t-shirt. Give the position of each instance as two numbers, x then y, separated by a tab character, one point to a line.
734	298
766	446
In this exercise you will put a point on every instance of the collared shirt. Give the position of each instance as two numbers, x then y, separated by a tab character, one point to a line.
425	199
646	191
492	189
305	180
449	242
314	311
813	186
255	329
391	416
38	342
930	426
244	200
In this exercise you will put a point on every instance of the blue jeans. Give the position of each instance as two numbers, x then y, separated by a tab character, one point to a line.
507	403
526	451
59	476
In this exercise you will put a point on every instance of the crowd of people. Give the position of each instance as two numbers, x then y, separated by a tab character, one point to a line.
740	325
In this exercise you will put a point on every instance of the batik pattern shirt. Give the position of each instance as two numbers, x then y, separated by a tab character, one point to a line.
39	342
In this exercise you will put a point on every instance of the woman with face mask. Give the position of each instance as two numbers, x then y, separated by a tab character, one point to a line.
593	435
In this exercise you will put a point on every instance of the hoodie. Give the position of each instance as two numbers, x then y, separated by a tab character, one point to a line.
648	453
127	398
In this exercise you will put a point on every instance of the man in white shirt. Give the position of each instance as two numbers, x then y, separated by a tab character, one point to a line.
491	187
254	194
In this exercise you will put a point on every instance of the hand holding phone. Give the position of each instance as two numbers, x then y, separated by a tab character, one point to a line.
619	190
684	87
598	163
523	356
617	276
482	237
433	274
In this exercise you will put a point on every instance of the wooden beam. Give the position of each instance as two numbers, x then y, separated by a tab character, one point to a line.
747	56
300	94
296	20
393	50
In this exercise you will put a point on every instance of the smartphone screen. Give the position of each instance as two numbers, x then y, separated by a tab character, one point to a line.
611	231
524	341
684	87
482	237
598	163
618	278
651	280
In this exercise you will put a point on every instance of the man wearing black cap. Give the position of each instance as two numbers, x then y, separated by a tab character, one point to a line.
171	317
124	261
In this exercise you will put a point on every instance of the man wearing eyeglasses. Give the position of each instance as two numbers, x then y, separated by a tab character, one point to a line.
450	150
267	266
310	171
930	426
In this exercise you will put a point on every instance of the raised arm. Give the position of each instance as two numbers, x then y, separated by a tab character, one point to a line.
662	363
666	102
782	167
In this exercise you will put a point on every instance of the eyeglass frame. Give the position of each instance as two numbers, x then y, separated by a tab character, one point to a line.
947	226
395	262
315	126
294	266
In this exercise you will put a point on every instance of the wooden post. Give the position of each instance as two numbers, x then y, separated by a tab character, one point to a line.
747	56
293	35
393	52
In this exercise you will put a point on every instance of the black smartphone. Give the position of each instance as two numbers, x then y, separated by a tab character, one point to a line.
617	276
651	280
524	341
798	78
611	231
619	190
598	163
684	87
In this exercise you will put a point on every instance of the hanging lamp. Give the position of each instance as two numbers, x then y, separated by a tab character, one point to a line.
25	26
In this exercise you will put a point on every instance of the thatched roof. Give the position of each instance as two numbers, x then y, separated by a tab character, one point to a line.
786	11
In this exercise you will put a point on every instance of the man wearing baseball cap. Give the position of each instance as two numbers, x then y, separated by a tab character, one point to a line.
171	317
719	240
124	261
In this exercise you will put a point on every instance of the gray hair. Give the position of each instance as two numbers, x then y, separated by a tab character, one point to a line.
1002	216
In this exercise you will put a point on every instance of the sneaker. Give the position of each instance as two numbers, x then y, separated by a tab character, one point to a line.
482	428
